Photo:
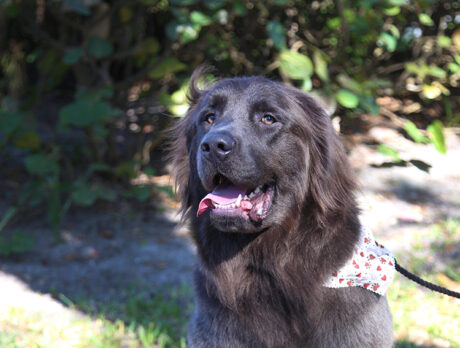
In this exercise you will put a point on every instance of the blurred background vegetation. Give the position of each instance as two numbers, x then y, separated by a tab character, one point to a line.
87	87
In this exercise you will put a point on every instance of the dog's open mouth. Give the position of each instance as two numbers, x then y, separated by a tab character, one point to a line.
227	199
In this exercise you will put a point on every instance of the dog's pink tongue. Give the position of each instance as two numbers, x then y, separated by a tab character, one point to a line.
221	195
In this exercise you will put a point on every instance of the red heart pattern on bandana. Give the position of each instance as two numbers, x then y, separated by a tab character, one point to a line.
371	267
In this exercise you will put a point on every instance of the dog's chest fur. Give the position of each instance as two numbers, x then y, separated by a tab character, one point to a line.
253	291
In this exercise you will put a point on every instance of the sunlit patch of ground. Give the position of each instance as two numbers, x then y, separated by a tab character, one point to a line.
424	318
148	322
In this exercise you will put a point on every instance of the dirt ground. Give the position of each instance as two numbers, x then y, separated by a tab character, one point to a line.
106	253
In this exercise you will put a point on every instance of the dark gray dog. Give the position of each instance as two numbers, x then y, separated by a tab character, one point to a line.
269	192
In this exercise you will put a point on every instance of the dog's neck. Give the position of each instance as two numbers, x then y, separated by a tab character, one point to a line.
237	265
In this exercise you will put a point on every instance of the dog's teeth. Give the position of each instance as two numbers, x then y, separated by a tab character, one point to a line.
257	190
246	197
238	200
251	195
232	205
259	211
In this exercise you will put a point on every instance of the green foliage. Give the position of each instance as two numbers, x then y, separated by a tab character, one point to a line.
276	33
347	98
78	6
415	133
167	66
89	110
18	242
73	55
99	47
122	55
436	133
388	151
295	65
321	61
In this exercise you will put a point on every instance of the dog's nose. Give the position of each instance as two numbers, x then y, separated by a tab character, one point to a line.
219	145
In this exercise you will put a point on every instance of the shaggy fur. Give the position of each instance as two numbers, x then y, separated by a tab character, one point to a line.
259	284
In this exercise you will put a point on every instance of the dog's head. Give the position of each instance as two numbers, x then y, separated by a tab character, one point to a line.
252	152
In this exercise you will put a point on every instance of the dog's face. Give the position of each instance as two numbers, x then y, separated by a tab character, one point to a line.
251	148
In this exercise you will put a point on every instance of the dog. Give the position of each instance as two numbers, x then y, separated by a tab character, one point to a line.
269	193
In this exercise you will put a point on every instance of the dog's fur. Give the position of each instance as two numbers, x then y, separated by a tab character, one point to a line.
259	283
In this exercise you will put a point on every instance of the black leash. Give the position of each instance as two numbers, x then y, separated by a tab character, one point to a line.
424	283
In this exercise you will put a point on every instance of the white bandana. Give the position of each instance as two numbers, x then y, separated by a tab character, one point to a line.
371	267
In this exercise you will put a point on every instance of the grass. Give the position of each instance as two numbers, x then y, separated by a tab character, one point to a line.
421	318
143	321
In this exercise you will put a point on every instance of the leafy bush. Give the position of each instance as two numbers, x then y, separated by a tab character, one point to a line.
114	69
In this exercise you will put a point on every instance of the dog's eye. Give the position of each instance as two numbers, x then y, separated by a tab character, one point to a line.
268	119
210	118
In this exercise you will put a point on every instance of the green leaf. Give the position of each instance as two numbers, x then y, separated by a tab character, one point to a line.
425	19
454	68
239	8
18	242
276	33
99	47
295	65
86	112
398	2
388	151
40	164
334	23
214	4
199	18
444	41
141	193
72	56
104	192
307	85
84	195
413	68
77	6
7	217
167	66
436	71
320	65
369	104
9	122
347	98
393	29
414	133
392	11
436	133
349	83
388	41
188	32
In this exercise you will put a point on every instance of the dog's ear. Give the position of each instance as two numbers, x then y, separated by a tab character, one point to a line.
331	180
181	134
